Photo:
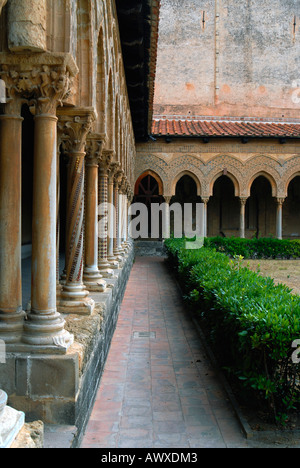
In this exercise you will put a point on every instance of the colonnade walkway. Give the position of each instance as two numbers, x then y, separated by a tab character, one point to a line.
159	389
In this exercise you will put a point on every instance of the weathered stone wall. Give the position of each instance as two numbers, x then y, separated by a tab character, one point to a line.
229	57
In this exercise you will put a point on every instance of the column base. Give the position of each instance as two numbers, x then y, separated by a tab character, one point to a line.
46	330
93	280
74	300
11	326
113	262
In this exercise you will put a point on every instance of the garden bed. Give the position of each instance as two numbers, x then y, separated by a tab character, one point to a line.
251	323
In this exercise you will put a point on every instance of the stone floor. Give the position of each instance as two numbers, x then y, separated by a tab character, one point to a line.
159	389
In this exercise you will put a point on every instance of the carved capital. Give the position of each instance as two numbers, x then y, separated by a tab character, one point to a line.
107	160
74	125
243	201
280	201
118	178
43	80
94	147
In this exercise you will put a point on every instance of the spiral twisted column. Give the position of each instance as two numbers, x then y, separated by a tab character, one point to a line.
76	124
104	170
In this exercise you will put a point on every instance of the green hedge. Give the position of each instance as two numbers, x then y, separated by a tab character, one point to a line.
256	248
251	321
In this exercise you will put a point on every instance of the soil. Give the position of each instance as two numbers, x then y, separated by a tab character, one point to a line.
282	271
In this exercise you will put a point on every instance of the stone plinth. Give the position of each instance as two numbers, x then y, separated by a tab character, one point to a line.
11	422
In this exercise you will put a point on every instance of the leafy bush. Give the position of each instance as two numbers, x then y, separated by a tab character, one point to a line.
255	248
252	323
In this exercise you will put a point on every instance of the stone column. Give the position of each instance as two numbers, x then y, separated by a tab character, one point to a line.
205	201
104	169
117	184
44	81
280	202
92	278
27	25
11	314
44	325
122	192
166	228
243	202
112	260
75	124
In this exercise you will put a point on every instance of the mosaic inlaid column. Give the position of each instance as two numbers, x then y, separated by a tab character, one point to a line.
243	202
92	278
76	124
280	202
104	169
112	260
11	314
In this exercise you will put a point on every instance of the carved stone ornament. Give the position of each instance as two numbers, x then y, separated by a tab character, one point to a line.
42	80
2	3
45	88
74	125
94	146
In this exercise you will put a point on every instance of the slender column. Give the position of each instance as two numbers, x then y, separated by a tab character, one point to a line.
166	228
205	201
117	184
243	202
75	123
92	278
104	168
112	260
44	325
121	216
11	314
280	202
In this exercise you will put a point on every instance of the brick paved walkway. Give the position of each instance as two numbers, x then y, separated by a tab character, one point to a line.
159	390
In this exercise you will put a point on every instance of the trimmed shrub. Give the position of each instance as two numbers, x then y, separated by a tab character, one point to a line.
255	248
252	323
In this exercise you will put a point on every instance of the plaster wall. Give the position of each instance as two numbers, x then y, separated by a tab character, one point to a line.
228	57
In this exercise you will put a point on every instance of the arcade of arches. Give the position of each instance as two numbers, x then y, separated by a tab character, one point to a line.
254	197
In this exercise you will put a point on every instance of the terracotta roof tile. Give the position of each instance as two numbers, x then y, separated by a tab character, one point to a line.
220	128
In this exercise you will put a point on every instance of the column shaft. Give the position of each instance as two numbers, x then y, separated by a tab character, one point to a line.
280	202
44	325
111	224
91	276
11	315
74	296
243	202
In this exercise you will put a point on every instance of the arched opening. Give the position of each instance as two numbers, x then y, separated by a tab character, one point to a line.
261	209
223	217
110	114
186	193
101	98
291	210
148	190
